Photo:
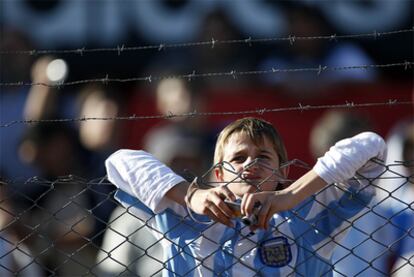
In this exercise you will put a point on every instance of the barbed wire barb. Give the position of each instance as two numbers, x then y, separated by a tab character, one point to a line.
120	49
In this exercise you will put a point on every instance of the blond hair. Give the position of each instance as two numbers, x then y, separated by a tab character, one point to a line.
256	129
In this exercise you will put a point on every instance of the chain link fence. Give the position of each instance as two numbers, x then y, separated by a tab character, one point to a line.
72	226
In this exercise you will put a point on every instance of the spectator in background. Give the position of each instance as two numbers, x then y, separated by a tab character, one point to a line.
99	138
333	126
13	68
15	257
129	248
312	53
398	142
45	101
95	138
175	97
61	204
372	243
398	193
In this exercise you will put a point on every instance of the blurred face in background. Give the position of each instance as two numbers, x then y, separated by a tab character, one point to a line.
98	134
173	97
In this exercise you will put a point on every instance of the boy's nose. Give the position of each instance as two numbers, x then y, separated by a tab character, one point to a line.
250	164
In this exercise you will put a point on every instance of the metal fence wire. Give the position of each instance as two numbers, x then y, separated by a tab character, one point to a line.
72	226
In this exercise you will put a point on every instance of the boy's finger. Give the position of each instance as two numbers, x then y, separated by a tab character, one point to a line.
228	193
247	204
262	215
268	218
223	208
219	215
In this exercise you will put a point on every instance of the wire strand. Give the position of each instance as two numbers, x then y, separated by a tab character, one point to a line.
233	74
212	43
259	111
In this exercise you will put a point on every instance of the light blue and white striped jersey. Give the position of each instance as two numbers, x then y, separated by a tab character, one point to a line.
299	242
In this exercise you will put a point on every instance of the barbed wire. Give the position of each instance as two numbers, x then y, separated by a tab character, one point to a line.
259	111
233	74
212	43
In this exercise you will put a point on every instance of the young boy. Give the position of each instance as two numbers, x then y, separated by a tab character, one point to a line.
297	229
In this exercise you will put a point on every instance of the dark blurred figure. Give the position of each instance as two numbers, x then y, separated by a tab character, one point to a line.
54	149
15	257
56	206
304	21
13	68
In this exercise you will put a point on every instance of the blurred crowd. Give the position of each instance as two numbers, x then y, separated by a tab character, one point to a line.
53	223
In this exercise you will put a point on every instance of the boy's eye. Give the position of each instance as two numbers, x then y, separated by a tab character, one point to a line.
264	157
239	159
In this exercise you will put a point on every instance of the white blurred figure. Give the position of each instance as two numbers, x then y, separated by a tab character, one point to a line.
128	248
400	135
372	242
401	191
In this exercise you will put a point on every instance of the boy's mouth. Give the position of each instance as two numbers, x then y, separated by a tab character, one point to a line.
249	177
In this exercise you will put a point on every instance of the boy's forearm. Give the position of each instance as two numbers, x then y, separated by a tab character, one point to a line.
178	193
304	187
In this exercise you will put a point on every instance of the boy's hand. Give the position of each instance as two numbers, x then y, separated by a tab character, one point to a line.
270	202
210	202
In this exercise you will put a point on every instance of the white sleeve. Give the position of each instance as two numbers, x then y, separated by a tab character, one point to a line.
343	161
351	155
139	174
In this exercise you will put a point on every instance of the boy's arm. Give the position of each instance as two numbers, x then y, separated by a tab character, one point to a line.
338	165
141	175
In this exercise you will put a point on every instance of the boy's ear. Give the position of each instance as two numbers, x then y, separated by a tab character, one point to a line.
218	172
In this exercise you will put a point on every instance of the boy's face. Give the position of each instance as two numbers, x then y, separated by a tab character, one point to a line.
255	162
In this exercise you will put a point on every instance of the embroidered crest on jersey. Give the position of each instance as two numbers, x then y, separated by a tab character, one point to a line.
275	252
